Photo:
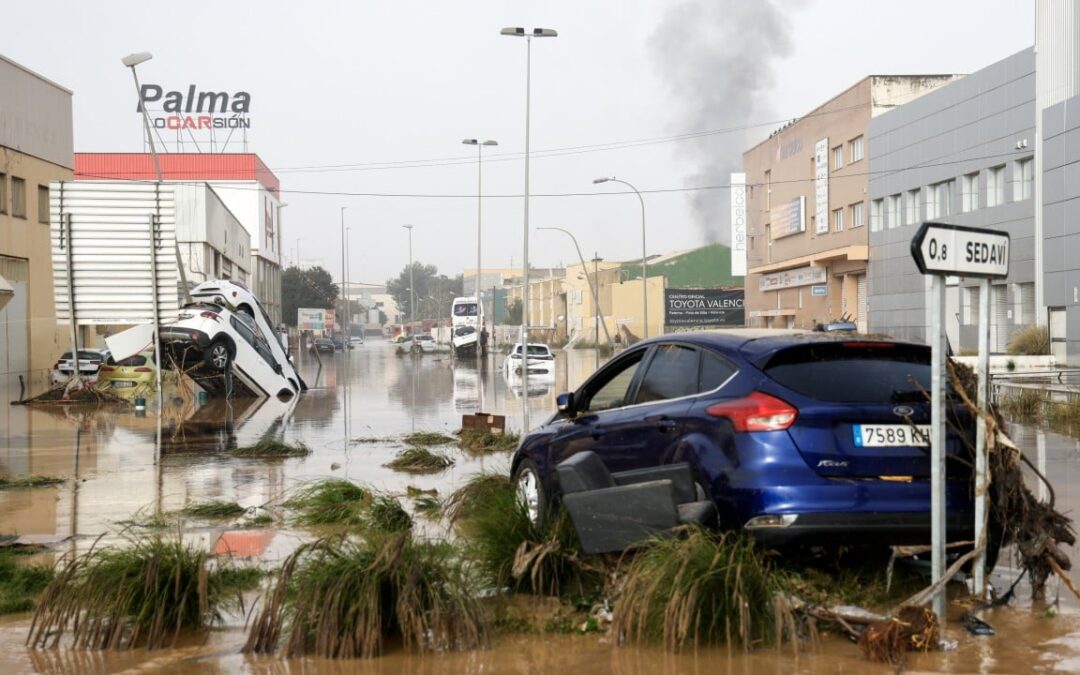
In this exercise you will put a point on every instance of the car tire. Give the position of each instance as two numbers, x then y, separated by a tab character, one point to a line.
530	489
219	354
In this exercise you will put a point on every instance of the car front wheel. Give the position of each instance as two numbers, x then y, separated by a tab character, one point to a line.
530	490
218	355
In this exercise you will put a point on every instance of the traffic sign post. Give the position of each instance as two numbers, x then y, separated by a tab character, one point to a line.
942	250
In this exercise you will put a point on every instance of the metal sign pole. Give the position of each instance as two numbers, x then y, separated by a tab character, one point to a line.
937	438
982	370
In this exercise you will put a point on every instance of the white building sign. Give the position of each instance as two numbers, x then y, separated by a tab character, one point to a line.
738	224
821	186
788	218
801	276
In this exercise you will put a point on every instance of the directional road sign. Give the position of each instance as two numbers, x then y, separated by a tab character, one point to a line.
955	250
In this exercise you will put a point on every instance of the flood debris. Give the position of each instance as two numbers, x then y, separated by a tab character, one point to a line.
912	629
27	481
346	598
481	442
272	448
478	491
214	508
428	439
330	502
85	393
420	460
20	584
425	502
148	594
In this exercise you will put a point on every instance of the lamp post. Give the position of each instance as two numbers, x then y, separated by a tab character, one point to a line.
534	33
644	272
344	273
479	207
592	286
412	287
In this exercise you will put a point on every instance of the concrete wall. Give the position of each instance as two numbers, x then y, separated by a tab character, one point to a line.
968	126
1061	217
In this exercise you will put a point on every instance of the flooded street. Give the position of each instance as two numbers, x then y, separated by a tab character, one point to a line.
360	405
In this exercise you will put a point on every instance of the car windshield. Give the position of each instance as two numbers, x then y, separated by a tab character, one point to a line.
465	309
854	372
534	350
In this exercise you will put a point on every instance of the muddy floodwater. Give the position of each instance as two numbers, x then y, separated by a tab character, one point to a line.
116	469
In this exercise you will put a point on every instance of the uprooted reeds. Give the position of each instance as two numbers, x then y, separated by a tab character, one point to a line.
330	502
428	438
214	508
512	552
696	589
419	460
482	442
272	448
21	584
146	594
345	598
475	494
28	481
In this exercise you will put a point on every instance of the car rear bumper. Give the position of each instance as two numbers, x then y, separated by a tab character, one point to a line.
900	528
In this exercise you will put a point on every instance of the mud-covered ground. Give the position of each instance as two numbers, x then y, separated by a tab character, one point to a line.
360	406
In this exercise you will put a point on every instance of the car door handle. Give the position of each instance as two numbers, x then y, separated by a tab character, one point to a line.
597	432
663	423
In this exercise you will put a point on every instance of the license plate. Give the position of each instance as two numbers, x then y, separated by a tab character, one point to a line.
891	435
122	384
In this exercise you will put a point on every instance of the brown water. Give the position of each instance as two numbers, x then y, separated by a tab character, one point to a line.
117	469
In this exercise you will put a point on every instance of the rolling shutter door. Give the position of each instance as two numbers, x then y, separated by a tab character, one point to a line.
861	307
999	313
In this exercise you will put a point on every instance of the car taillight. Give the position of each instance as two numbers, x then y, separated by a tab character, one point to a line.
756	412
143	369
195	336
210	315
107	369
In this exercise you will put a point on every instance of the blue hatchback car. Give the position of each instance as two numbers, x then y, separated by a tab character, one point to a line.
797	437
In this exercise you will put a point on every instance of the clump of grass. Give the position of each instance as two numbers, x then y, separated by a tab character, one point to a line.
1023	406
429	438
339	598
213	509
420	460
464	502
20	585
480	442
27	481
152	521
146	594
1030	341
241	578
331	502
272	448
697	589
428	506
370	439
387	515
259	520
511	552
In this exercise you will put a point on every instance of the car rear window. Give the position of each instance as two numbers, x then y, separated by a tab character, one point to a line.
133	361
88	355
854	372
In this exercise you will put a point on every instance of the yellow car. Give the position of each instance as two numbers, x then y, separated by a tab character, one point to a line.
135	373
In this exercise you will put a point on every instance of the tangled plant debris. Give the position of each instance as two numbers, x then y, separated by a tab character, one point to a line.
28	481
20	584
420	460
272	448
330	502
429	438
213	509
481	442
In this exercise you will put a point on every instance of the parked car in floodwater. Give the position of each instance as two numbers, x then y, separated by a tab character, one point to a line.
424	343
130	374
90	361
797	437
324	345
540	359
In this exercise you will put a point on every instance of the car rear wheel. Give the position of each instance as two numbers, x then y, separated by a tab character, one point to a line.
530	490
219	354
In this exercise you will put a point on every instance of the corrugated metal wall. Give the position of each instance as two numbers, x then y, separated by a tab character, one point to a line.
110	247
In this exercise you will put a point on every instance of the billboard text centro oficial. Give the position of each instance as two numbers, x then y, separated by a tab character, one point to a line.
703	307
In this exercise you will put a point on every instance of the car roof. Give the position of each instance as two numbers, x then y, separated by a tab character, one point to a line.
759	342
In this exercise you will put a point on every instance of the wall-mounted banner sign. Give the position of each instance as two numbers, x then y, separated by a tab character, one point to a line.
738	224
194	109
821	186
703	307
801	276
788	218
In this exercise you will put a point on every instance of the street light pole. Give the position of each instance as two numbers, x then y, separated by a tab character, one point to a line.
412	287
592	286
644	271
343	272
479	207
539	33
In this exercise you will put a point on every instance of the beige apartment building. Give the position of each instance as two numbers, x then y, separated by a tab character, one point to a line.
808	208
35	149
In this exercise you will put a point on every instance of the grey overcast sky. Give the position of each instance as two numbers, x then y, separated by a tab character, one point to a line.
366	82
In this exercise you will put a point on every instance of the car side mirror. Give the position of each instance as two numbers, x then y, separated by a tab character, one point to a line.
565	402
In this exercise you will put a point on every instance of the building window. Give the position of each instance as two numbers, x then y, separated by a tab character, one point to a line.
911	209
939	199
857	217
1023	179
995	185
838	220
18	197
969	189
856	145
838	157
43	204
3	193
876	208
892	211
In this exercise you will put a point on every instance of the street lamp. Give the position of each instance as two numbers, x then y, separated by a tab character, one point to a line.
592	287
534	33
344	272
644	272
412	287
479	203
